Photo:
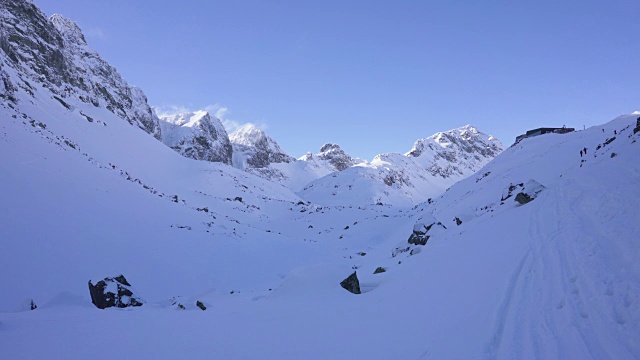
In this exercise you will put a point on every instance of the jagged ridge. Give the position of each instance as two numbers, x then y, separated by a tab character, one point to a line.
54	53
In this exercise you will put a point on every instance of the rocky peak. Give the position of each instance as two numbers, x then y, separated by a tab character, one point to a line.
68	28
465	150
253	148
336	156
250	135
467	138
53	53
197	135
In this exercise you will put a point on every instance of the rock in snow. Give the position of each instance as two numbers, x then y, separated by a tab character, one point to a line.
351	283
419	235
113	292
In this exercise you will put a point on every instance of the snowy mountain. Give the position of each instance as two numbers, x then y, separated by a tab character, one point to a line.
52	53
259	154
457	152
334	156
254	149
428	169
535	255
197	135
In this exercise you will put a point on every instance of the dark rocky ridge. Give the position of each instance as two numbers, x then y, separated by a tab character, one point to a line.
198	136
336	156
54	53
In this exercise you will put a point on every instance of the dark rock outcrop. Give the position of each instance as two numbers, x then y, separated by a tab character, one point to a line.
523	198
197	135
419	235
526	192
351	283
509	191
379	270
54	53
420	230
113	292
336	156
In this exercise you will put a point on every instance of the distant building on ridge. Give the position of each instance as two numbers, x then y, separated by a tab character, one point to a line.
542	131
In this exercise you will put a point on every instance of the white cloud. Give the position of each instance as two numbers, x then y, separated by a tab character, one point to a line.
169	110
94	33
219	111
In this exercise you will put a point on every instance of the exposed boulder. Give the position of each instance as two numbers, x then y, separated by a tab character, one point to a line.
379	270
523	198
351	283
529	192
458	221
419	235
524	192
420	230
113	292
510	190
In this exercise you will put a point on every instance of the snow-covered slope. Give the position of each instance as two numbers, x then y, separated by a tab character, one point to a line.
557	277
197	135
433	164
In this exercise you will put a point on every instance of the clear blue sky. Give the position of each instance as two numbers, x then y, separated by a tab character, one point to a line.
374	76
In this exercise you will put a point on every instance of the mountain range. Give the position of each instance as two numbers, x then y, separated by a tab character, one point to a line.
123	234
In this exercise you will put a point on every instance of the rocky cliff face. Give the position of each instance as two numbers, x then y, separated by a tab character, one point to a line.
336	156
197	135
54	54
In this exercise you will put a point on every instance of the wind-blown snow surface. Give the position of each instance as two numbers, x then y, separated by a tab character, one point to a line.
555	278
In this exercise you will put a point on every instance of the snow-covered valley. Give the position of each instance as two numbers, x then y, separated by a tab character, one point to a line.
531	254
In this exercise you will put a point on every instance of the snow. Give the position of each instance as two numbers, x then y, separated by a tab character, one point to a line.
557	277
